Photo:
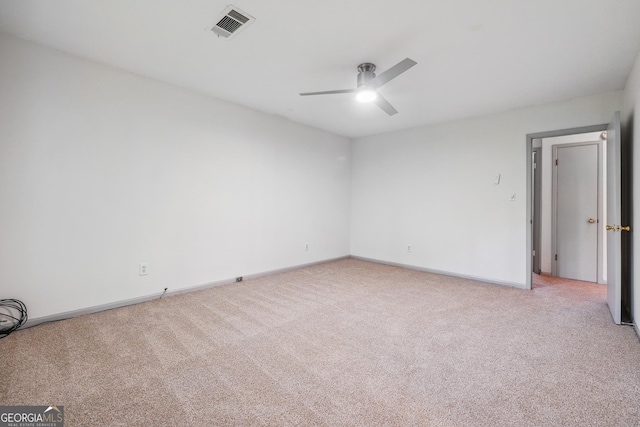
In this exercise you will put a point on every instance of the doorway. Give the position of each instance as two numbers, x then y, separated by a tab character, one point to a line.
537	140
616	172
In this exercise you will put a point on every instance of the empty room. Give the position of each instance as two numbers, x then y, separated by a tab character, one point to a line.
336	213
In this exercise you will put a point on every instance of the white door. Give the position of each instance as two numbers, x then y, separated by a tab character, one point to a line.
614	294
576	224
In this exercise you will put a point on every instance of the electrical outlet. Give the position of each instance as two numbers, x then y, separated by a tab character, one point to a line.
306	246
239	279
143	269
408	248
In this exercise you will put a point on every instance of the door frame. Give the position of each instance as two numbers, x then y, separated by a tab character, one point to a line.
600	212
537	208
529	185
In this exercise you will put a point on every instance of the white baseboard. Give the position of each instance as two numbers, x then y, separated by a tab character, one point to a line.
444	273
250	276
138	300
89	310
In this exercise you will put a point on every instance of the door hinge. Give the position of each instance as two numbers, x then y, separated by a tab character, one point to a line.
535	166
556	162
556	257
534	253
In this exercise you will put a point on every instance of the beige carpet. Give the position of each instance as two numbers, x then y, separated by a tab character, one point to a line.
347	343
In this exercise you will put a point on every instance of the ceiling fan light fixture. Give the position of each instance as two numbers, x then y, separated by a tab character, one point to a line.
368	84
366	95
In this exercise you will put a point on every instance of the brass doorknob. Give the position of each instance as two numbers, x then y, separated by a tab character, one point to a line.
618	228
591	220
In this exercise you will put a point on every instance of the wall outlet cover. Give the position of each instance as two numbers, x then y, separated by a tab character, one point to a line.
143	269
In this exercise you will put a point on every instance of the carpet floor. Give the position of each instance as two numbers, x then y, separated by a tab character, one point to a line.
345	343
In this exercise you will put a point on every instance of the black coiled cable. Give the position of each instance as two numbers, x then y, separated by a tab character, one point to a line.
13	313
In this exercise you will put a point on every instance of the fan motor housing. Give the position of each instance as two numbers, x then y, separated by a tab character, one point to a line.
365	73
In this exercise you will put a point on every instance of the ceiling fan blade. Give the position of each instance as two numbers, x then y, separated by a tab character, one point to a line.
329	92
385	105
391	73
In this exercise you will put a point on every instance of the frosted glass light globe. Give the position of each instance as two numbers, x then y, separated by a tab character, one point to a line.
366	95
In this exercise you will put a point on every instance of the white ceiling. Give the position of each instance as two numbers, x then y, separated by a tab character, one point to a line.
475	57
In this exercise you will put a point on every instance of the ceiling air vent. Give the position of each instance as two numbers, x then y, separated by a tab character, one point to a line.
231	22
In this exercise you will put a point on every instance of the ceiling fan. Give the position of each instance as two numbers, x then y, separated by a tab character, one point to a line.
368	82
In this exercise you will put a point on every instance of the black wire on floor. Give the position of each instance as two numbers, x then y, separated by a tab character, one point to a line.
13	314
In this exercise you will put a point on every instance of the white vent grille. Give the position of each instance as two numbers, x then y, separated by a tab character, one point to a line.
231	22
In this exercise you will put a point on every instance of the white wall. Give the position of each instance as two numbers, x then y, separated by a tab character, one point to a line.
546	253
432	187
630	123
101	169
